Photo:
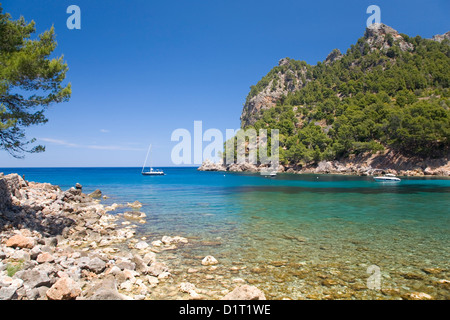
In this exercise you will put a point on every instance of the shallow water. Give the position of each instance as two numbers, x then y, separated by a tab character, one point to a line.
293	236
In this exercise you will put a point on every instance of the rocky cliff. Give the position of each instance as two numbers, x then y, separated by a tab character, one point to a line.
291	75
384	104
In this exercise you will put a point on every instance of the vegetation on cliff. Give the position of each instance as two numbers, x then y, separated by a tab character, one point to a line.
388	90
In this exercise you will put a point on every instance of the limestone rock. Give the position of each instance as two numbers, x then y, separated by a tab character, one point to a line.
45	257
441	37
245	292
7	293
135	205
141	245
209	261
134	215
34	278
333	56
208	165
157	268
106	290
19	241
419	296
96	194
64	289
96	265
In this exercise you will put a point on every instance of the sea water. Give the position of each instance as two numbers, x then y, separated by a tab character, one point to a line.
293	236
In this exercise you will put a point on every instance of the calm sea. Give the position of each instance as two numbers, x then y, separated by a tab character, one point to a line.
294	236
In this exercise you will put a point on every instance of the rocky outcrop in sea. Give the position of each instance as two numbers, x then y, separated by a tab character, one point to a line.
364	165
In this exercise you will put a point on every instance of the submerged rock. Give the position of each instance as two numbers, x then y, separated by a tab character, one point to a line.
419	296
209	261
135	205
245	292
96	194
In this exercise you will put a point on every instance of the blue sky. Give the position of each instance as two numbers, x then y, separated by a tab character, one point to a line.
141	69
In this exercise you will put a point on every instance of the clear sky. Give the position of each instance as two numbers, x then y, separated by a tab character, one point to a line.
141	68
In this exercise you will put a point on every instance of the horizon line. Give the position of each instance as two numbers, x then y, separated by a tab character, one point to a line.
62	167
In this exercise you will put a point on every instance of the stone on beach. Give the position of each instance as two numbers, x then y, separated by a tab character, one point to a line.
419	296
141	245
7	293
173	240
245	292
64	289
20	241
134	215
96	194
96	265
135	205
209	261
45	257
35	278
157	268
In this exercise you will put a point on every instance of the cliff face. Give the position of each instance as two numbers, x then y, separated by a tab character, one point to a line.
285	78
383	104
290	75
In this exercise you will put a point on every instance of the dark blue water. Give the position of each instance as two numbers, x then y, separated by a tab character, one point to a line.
341	220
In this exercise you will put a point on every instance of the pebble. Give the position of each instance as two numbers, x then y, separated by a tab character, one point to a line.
209	260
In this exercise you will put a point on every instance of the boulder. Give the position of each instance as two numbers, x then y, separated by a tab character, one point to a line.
34	278
141	266
134	215
7	293
135	205
149	258
64	289
141	245
324	167
19	241
106	290
157	268
209	261
45	257
245	292
208	165
419	296
96	265
96	194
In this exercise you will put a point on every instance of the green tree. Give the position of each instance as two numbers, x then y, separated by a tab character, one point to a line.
30	81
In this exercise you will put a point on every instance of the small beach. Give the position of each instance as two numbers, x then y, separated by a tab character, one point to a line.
292	237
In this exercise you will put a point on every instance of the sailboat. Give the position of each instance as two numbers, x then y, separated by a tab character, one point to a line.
151	172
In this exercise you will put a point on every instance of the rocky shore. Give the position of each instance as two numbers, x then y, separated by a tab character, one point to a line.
63	245
363	165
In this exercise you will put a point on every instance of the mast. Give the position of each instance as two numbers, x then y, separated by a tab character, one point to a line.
148	151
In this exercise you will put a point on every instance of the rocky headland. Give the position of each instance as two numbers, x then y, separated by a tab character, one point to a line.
64	245
321	133
364	165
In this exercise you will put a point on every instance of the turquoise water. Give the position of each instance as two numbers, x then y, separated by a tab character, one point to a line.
288	234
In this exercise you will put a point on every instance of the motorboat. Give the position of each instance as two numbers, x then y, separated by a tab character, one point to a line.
389	177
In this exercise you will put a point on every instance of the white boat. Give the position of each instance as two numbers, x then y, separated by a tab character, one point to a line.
389	177
151	172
